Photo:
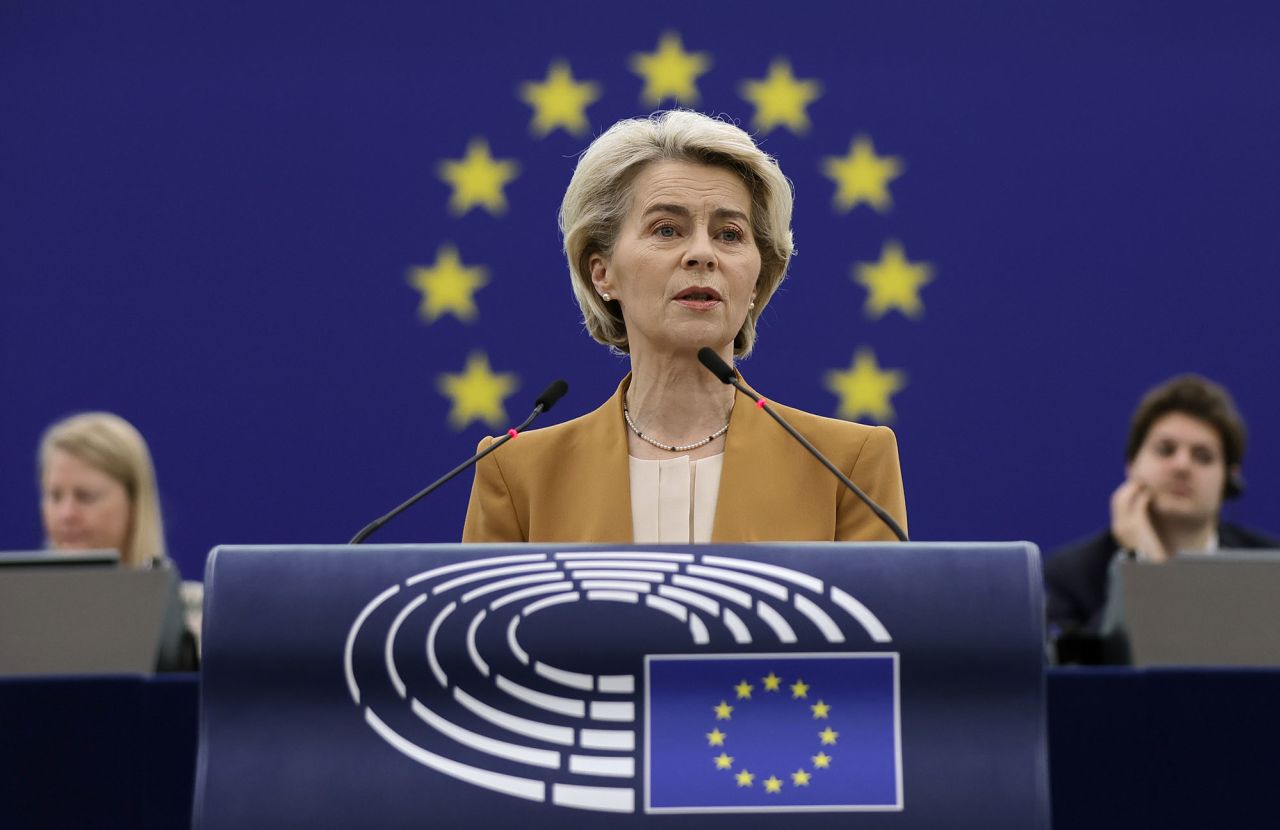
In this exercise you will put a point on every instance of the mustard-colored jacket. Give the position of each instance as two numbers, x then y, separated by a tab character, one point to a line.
572	483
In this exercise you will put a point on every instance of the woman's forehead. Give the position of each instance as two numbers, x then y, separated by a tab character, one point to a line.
689	183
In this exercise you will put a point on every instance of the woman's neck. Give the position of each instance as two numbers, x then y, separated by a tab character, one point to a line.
676	401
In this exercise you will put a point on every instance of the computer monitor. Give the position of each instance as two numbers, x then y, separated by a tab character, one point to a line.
64	613
58	558
1218	609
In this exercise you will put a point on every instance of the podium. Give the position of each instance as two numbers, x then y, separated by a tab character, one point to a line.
735	686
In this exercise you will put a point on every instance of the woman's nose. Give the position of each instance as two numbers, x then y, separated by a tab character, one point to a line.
701	253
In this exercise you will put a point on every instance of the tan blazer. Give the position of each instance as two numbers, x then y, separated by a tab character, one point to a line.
572	482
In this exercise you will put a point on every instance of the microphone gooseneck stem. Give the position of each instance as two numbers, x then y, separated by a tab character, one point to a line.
722	370
857	491
370	528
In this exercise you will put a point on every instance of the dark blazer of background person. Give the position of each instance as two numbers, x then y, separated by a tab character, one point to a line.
1076	575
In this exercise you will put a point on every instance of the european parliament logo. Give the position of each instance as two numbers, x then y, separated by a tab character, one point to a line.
630	681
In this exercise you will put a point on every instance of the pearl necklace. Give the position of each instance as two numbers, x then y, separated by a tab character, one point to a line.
671	447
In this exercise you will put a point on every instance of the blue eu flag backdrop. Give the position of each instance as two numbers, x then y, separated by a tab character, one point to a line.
789	732
310	250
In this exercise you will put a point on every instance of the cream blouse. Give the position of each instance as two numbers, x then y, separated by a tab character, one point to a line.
674	500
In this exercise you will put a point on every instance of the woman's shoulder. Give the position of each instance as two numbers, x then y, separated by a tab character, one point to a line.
593	425
811	426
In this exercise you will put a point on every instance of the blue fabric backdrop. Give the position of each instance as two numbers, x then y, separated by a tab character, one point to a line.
216	219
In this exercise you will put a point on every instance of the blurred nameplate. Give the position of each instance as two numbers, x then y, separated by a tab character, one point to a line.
607	687
79	614
1214	609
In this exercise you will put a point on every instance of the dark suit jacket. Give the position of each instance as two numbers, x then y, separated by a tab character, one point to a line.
1076	576
572	483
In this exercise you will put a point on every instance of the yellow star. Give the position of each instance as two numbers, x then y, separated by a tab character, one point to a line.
744	690
559	101
745	778
724	761
771	683
862	176
772	784
828	736
799	689
820	710
447	286
821	761
801	778
865	389
893	282
670	71
478	179
477	393
781	99
723	711
715	738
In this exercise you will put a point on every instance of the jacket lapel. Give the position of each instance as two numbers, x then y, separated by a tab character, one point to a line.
599	460
742	508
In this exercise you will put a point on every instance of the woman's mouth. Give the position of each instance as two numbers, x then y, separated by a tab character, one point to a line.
698	298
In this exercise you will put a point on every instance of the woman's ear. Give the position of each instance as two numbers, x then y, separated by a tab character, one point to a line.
600	274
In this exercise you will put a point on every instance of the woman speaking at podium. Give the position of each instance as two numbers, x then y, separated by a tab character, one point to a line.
677	231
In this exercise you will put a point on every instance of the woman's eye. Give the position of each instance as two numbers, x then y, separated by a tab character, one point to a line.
666	231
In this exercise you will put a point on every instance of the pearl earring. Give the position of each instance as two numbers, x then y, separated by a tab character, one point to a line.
606	297
751	306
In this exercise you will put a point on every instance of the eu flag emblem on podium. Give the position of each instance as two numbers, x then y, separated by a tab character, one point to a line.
787	732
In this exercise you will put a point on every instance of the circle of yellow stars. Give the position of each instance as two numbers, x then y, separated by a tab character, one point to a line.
773	785
670	73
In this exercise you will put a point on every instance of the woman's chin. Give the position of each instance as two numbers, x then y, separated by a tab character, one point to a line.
693	335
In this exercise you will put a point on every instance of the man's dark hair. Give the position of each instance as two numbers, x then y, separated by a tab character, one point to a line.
1200	398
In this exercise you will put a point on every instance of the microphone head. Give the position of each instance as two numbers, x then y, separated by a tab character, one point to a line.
551	394
708	357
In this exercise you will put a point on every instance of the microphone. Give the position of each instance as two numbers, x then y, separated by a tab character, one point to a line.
545	401
716	365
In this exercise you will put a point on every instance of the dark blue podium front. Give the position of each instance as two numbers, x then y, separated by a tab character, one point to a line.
718	685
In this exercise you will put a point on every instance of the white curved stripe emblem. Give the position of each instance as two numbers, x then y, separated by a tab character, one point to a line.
862	614
472	565
547	758
349	650
499	782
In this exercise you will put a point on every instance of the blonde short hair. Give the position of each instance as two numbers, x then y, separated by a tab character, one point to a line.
110	444
600	192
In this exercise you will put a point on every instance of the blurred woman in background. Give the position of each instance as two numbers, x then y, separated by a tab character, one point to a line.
98	489
98	492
